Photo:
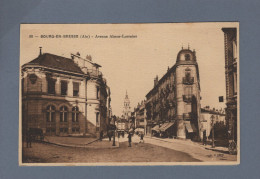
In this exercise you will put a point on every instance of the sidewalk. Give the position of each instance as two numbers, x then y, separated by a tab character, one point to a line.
196	150
82	142
208	147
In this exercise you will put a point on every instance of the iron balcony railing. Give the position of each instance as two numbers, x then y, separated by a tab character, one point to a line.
188	81
186	98
95	73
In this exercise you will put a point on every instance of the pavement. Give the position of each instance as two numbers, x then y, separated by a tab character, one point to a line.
195	149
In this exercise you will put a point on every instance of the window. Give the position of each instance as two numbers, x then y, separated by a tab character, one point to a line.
64	87
187	57
187	73
75	114
188	91
63	114
97	119
75	89
51	85
50	115
97	92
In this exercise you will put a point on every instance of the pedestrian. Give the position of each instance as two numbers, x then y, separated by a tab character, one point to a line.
141	138
29	139
129	139
109	135
101	135
204	137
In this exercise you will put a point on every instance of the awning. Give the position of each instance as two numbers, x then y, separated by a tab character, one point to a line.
190	127
156	128
139	130
163	126
169	124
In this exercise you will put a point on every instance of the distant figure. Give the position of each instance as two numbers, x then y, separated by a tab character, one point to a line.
29	139
204	137
129	139
141	138
109	135
101	135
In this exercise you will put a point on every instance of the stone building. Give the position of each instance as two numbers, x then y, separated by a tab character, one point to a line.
64	96
140	117
231	58
210	117
173	105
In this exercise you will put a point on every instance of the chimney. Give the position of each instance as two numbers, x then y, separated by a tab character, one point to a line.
156	80
40	51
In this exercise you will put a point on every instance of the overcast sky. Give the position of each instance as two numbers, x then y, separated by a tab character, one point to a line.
132	63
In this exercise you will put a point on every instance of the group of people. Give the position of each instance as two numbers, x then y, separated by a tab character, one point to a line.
130	138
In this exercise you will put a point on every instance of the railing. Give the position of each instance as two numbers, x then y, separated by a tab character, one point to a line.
186	98
188	81
95	73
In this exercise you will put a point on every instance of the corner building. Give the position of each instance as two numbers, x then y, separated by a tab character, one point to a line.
173	105
64	96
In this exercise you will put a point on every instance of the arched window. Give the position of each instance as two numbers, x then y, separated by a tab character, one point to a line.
75	114
50	115
63	114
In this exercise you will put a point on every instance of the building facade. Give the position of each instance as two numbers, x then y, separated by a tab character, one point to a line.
231	58
64	96
209	118
140	117
175	98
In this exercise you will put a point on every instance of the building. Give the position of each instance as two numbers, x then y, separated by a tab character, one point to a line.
210	117
64	96
231	58
126	109
173	104
140	117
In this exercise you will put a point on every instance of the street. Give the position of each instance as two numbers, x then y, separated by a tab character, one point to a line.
46	153
153	150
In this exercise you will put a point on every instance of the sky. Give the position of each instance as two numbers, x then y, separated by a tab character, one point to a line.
132	63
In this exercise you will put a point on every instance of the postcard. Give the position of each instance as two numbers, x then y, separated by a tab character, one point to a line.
129	94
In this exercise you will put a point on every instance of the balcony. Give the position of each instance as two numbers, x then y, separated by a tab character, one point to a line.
94	73
186	98
188	81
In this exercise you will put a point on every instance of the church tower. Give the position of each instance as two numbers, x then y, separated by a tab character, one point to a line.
126	108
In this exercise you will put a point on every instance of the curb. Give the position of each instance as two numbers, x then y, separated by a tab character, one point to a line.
79	146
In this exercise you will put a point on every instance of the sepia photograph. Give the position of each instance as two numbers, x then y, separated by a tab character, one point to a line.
144	94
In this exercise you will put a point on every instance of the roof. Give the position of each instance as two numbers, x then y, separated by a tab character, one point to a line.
57	62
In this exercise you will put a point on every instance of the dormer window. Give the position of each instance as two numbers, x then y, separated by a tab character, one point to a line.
187	57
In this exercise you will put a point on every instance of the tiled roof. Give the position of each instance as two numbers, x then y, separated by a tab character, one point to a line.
57	62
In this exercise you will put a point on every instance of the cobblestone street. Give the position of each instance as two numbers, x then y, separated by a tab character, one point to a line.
139	152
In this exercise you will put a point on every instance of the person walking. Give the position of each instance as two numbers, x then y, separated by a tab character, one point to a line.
141	138
109	135
129	139
204	137
101	135
29	139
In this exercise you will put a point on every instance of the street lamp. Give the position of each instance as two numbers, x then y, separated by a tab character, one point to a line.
213	135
